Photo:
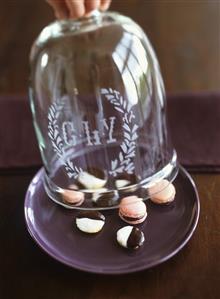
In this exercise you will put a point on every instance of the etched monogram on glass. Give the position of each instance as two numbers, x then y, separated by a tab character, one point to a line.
99	112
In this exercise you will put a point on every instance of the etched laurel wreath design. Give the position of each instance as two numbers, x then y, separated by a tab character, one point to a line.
124	162
57	142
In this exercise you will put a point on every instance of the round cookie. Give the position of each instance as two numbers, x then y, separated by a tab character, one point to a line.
105	199
132	210
93	178
162	192
90	222
130	237
74	187
72	197
121	183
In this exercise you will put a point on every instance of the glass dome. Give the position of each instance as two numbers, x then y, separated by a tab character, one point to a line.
98	105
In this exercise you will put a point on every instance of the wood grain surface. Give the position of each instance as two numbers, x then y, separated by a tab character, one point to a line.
184	33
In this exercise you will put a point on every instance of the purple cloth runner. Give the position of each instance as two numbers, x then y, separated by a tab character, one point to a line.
18	147
194	121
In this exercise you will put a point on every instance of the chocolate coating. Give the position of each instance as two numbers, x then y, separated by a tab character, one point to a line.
136	238
107	200
99	173
95	215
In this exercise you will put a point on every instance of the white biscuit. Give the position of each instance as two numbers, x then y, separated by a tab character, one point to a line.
89	181
89	226
121	183
123	235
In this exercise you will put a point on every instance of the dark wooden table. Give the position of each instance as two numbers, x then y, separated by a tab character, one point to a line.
186	35
27	272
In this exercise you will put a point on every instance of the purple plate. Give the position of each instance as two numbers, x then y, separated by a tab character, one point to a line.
167	229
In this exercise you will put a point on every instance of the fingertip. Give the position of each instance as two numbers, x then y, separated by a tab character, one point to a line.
92	5
60	16
60	8
76	8
105	4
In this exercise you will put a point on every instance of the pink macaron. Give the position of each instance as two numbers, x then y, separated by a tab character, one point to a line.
132	210
162	192
73	197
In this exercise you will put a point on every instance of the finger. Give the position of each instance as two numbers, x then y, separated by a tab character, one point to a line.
92	5
76	8
60	8
105	5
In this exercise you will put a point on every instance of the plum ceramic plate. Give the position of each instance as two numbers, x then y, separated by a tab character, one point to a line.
167	229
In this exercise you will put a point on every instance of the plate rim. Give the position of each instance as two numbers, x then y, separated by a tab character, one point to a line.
41	244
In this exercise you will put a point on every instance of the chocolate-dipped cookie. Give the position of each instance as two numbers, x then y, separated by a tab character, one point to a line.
121	183
126	182
90	181
105	199
90	221
130	237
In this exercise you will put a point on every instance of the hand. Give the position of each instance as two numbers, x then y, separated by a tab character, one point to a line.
73	9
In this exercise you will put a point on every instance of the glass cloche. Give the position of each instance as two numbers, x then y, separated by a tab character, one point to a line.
99	111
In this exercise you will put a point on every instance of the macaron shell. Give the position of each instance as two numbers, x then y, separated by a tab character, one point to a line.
73	187
166	195
167	200
130	200
73	197
76	204
159	186
134	221
133	208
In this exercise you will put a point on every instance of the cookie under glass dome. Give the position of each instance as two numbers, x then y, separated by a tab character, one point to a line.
99	111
